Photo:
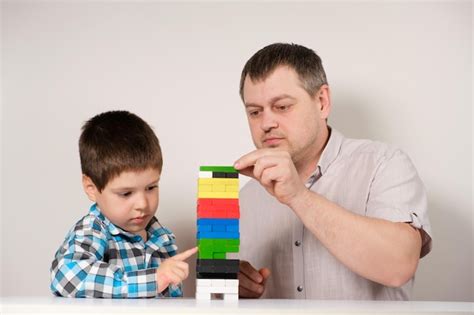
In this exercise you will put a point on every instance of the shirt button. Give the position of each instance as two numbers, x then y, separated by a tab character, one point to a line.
299	288
297	243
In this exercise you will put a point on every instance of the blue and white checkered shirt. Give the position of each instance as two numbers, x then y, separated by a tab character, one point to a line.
100	260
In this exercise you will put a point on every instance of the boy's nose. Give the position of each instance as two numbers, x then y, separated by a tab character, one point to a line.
141	202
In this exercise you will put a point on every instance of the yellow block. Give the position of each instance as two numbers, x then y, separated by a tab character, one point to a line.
221	185
207	188
219	188
229	188
218	181
222	195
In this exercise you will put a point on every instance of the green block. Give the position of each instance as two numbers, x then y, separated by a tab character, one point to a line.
219	256
223	169
205	255
232	249
221	249
212	247
218	242
211	255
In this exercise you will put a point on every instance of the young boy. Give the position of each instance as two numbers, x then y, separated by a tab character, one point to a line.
119	249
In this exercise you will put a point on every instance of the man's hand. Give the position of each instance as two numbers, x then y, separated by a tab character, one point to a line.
173	270
251	281
275	170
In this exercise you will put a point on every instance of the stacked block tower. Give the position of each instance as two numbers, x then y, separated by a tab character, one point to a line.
217	232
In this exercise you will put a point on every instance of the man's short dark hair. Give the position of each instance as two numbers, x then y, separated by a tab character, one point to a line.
114	142
304	61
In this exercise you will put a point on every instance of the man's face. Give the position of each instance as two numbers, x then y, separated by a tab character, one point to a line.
129	200
281	114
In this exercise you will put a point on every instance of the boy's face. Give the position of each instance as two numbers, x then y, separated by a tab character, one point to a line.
129	200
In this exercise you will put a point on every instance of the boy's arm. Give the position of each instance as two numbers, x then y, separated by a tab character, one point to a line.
78	270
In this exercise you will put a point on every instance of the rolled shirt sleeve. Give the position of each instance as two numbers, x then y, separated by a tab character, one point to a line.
397	194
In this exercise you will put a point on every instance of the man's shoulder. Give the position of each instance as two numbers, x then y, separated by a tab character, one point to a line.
368	149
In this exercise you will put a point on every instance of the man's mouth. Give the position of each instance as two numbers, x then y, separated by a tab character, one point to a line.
272	141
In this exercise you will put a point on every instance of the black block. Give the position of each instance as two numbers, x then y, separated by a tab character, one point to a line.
217	265
204	275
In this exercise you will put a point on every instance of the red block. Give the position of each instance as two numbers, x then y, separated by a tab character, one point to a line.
220	214
218	204
233	214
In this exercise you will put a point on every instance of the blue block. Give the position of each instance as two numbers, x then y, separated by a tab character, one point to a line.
229	235
218	225
218	221
219	228
232	228
204	228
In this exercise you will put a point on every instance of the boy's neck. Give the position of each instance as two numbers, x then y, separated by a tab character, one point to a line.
144	235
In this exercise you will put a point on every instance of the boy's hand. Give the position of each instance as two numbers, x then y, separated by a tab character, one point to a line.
173	270
252	281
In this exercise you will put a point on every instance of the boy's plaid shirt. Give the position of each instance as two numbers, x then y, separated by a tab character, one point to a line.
100	260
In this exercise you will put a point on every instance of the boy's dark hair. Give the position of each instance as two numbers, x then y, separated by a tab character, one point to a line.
114	142
304	61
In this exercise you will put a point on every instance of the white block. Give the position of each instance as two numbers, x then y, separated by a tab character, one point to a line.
203	296
218	282
204	282
231	297
217	290
232	282
205	174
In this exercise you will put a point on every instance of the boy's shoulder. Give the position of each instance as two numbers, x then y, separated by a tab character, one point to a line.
93	222
160	234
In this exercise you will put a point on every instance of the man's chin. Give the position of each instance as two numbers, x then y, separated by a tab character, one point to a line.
277	146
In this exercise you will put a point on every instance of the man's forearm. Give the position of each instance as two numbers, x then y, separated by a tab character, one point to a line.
376	249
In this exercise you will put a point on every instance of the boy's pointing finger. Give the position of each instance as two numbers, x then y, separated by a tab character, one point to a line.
186	254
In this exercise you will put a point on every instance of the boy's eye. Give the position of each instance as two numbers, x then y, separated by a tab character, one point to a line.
125	194
152	187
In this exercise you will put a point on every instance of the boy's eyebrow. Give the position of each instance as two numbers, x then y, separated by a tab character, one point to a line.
132	188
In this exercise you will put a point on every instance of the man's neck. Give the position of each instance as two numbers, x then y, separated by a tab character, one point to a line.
307	165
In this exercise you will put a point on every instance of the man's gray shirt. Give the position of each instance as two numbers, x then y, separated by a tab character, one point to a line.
365	177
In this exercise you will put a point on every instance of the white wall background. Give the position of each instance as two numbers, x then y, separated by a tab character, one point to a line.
400	72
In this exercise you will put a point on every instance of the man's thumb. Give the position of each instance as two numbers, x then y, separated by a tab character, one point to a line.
265	273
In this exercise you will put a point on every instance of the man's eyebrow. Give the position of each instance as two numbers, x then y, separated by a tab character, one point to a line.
252	105
280	97
272	100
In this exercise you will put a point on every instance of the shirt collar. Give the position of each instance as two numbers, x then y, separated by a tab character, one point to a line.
329	154
331	150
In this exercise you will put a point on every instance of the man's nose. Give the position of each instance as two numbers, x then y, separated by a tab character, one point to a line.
268	121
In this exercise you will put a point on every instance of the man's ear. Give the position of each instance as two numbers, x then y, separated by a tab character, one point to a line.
324	98
89	188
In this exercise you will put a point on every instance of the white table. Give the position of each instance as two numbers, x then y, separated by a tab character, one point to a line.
55	305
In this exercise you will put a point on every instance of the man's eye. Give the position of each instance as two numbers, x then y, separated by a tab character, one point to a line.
283	108
254	113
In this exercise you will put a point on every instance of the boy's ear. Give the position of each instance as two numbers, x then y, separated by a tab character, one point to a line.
89	188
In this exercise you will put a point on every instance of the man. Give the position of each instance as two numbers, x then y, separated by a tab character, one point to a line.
325	217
